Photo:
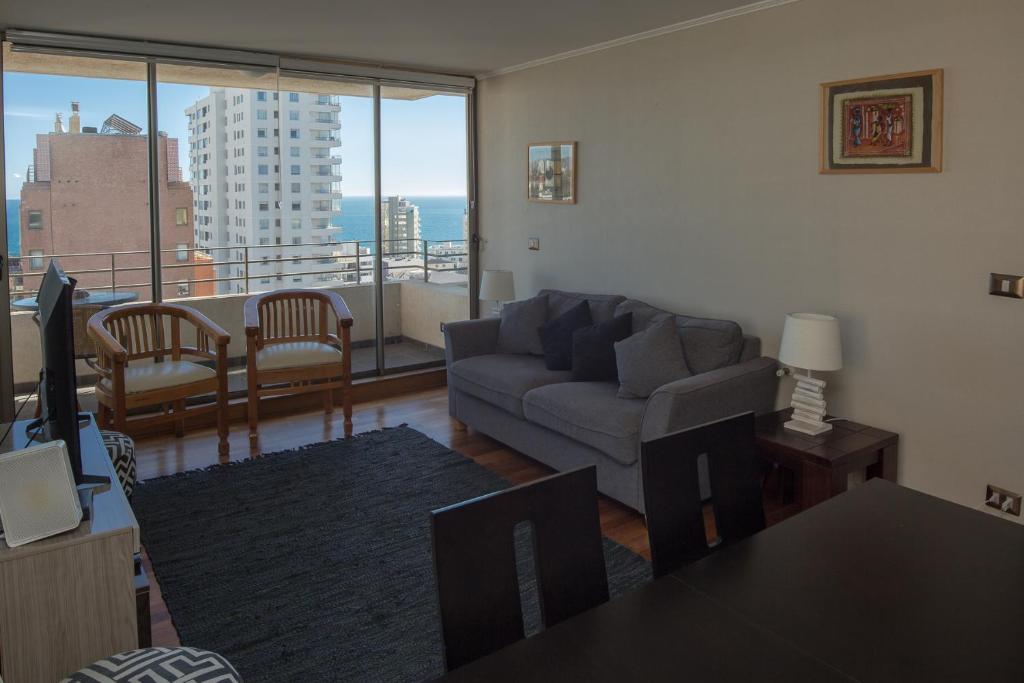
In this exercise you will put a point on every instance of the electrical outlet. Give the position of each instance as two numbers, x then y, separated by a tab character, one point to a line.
1000	284
533	243
1002	500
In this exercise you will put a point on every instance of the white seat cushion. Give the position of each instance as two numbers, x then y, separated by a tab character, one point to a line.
170	373
296	355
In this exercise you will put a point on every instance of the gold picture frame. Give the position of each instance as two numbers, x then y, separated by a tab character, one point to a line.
882	124
550	177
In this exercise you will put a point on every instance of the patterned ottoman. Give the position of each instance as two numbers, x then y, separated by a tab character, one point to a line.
159	665
121	450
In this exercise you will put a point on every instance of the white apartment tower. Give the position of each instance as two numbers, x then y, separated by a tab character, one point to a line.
266	175
400	226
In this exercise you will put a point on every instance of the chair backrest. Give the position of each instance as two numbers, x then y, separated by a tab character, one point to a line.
293	315
153	330
475	562
675	512
140	329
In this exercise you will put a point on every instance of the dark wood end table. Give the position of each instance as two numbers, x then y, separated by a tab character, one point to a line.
820	464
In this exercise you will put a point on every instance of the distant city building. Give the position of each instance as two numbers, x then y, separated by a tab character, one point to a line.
400	226
266	183
88	193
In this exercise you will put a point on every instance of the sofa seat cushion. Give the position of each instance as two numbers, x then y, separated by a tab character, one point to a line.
296	355
502	379
591	413
170	373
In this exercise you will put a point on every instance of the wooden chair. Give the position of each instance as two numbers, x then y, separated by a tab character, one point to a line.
291	349
139	361
675	513
475	564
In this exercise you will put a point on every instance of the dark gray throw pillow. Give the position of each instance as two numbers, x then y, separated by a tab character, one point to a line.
517	332
556	336
649	359
593	349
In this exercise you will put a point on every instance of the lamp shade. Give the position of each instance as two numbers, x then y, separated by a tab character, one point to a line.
811	342
497	285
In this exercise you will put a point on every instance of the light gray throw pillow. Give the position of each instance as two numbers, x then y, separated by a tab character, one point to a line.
649	359
518	330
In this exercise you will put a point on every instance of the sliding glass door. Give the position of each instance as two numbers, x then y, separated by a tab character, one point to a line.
263	178
76	160
424	221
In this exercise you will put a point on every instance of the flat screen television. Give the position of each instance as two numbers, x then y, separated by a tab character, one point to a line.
58	395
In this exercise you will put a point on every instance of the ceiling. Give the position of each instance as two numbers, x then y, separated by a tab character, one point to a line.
471	37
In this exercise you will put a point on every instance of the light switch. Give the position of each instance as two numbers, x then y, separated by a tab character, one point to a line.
533	243
1011	286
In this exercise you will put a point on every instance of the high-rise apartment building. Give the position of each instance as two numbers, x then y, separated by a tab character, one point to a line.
86	199
266	176
400	226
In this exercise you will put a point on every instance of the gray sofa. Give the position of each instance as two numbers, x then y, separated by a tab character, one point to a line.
513	398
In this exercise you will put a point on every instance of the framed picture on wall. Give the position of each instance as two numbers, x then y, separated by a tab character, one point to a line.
884	124
551	172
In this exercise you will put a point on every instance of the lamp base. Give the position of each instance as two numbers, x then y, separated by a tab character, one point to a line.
811	428
808	407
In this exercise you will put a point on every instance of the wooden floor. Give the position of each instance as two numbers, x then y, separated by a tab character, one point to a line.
426	412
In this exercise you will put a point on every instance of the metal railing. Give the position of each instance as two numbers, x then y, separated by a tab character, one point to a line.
350	264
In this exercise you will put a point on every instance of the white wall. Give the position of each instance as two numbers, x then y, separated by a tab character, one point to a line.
699	192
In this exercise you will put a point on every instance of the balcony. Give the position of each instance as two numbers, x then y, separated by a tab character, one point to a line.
423	287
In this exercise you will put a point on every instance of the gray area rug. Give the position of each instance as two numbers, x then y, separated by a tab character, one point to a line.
315	564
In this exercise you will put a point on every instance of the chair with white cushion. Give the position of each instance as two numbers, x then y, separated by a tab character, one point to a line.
141	362
293	348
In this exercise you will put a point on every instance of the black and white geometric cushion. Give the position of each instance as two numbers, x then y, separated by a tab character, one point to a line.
121	449
159	665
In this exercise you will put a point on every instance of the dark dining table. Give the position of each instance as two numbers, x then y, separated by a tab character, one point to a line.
881	583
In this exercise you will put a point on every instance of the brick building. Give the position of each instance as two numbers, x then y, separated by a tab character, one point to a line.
87	194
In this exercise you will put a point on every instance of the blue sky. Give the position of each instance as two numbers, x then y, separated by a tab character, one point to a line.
423	151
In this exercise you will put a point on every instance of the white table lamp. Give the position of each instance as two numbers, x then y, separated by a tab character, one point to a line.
497	286
810	341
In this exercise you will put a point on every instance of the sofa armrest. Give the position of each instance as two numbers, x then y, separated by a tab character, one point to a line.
467	338
693	401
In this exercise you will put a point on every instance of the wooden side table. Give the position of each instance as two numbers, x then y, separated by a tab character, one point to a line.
820	464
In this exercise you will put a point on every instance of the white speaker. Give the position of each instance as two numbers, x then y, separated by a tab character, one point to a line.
37	493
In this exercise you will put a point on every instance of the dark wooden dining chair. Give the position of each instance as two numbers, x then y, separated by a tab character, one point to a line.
675	512
475	561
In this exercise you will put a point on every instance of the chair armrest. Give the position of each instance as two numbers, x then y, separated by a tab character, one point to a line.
467	338
341	311
251	313
107	343
685	403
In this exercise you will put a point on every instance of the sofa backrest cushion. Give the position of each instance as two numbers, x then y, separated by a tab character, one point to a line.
708	344
602	306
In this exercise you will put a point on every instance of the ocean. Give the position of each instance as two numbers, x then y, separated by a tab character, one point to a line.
440	219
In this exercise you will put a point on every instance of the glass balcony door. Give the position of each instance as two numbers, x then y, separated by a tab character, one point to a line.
77	191
424	222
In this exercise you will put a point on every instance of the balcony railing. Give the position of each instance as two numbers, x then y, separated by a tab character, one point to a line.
351	262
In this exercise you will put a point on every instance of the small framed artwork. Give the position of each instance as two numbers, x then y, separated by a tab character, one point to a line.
551	172
884	124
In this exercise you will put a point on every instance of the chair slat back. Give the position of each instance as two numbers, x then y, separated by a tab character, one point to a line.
293	316
143	330
671	483
475	567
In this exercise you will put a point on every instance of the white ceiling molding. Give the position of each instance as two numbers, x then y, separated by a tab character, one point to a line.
645	35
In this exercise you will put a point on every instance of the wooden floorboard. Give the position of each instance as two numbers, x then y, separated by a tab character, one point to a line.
425	411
